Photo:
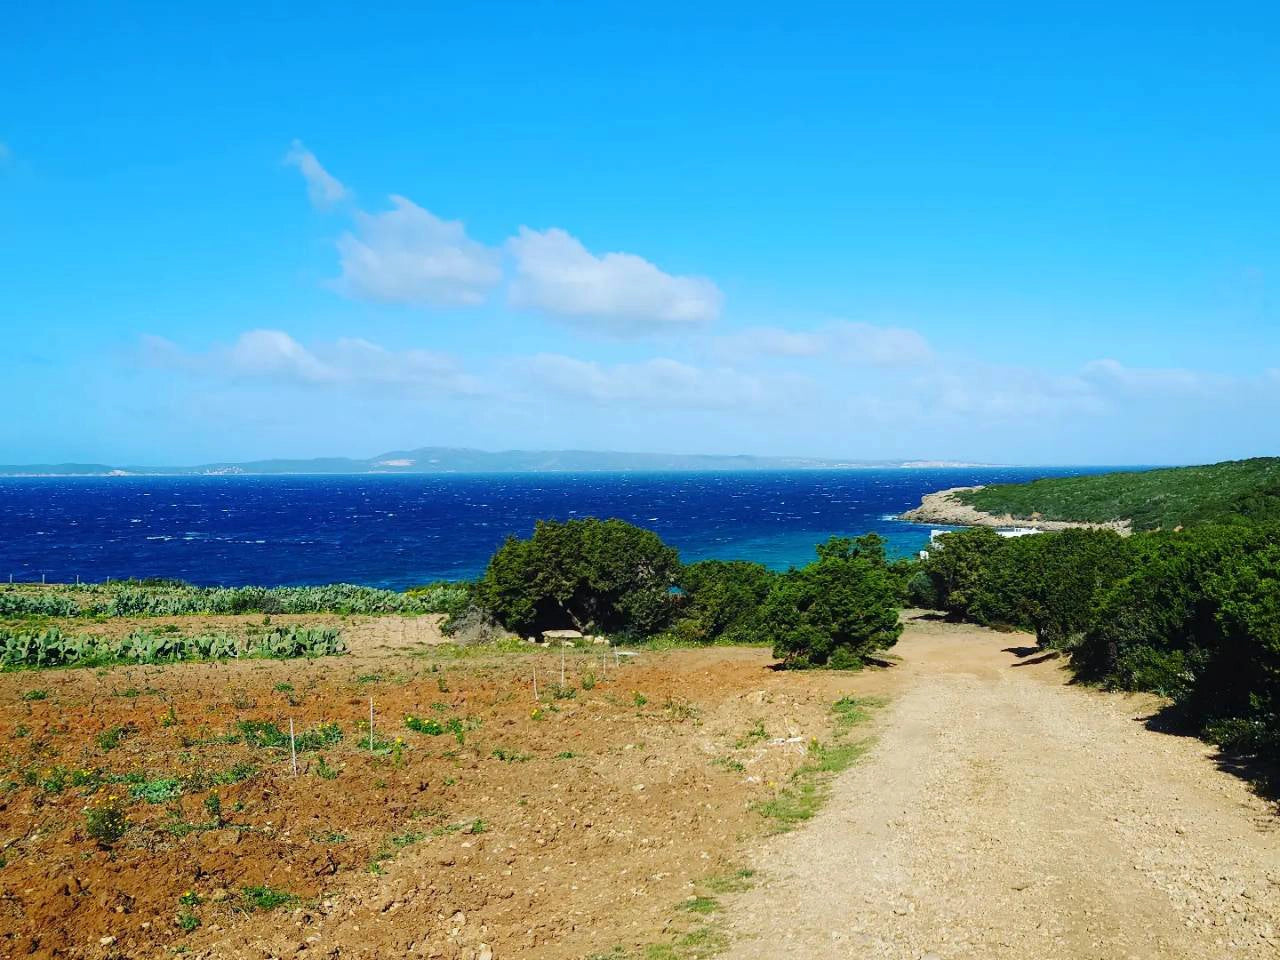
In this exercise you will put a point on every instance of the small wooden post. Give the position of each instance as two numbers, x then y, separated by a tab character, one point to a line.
535	684
371	724
293	747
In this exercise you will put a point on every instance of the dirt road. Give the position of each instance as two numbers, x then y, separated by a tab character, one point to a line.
1005	814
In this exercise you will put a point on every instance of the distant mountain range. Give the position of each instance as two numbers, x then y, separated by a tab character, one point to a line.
428	460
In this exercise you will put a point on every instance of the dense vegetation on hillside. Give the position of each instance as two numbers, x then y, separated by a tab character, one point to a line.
1193	615
1166	498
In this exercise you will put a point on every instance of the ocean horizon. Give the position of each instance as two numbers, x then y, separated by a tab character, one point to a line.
398	531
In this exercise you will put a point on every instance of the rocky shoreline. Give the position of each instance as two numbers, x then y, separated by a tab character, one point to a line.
944	507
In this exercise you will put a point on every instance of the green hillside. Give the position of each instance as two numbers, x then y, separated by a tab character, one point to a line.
1151	498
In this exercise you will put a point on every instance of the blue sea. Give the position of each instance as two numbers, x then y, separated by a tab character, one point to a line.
398	531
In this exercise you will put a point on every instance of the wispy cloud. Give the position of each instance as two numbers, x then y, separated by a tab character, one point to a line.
277	356
409	255
846	341
616	292
1148	380
659	382
273	353
324	189
1005	395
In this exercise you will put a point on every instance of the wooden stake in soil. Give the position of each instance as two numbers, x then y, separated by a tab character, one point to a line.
371	724
535	684
293	747
561	664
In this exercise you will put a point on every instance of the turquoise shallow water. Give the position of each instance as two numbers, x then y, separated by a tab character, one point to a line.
396	531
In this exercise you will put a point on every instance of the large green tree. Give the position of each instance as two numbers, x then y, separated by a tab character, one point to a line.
590	575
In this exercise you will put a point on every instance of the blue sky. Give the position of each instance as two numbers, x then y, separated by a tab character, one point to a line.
914	230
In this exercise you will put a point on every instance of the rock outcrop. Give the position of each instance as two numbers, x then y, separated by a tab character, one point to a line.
945	507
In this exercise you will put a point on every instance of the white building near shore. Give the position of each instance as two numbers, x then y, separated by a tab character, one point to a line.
1007	532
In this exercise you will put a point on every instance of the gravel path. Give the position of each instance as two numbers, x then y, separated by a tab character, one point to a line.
1005	814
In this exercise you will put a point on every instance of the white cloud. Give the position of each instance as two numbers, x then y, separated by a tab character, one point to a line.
409	255
277	356
361	360
1009	394
846	341
1110	373
653	383
1002	394
618	292
273	353
323	188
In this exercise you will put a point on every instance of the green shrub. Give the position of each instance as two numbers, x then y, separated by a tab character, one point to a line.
836	611
154	598
265	898
53	648
447	597
922	593
429	725
956	565
105	820
591	575
720	601
1192	615
213	807
262	733
1049	583
110	739
156	791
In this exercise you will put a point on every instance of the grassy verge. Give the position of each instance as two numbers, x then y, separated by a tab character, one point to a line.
810	785
696	929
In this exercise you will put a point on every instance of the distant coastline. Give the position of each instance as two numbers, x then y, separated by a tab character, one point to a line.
943	507
455	460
